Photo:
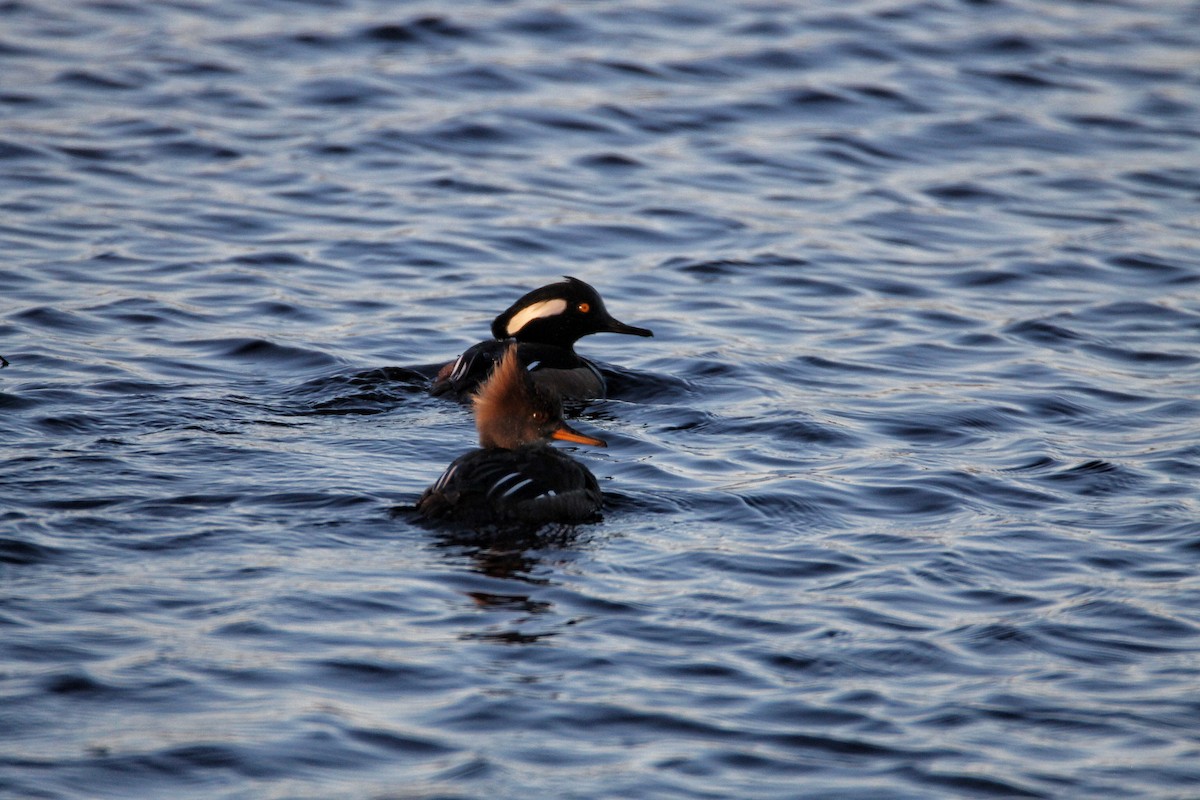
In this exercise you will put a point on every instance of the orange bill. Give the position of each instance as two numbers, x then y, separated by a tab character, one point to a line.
565	433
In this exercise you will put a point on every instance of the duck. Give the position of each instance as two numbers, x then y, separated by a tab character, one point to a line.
545	324
515	476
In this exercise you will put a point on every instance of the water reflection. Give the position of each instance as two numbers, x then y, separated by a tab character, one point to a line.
512	553
520	558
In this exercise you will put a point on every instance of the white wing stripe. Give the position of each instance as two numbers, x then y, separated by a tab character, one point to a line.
460	367
517	486
446	476
503	481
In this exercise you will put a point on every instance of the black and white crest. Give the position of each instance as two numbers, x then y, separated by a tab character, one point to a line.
559	314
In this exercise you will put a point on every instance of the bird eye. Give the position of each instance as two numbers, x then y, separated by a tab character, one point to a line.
584	308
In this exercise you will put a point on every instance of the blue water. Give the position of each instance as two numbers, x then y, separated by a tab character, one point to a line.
902	500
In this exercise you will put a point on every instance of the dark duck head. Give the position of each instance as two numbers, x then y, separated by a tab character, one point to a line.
546	323
559	314
515	476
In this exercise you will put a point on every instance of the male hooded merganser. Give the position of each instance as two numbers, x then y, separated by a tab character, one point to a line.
515	476
545	323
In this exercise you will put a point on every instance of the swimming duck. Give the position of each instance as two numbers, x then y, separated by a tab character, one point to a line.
515	476
545	323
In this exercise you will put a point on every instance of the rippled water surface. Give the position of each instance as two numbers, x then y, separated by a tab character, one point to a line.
901	500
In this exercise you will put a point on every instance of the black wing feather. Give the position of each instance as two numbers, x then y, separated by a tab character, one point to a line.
532	485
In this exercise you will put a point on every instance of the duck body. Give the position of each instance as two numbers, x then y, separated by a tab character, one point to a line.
545	324
530	486
557	369
515	476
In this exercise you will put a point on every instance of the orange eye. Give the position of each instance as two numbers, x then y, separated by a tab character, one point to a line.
584	308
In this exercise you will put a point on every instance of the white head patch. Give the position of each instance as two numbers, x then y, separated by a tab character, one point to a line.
546	308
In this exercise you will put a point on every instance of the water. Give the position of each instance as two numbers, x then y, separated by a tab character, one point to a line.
901	499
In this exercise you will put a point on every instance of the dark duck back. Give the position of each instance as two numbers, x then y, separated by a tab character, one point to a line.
515	476
545	324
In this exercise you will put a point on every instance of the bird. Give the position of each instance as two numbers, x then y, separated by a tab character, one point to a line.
515	476
545	323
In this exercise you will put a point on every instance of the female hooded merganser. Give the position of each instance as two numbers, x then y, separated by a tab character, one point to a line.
515	476
545	323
